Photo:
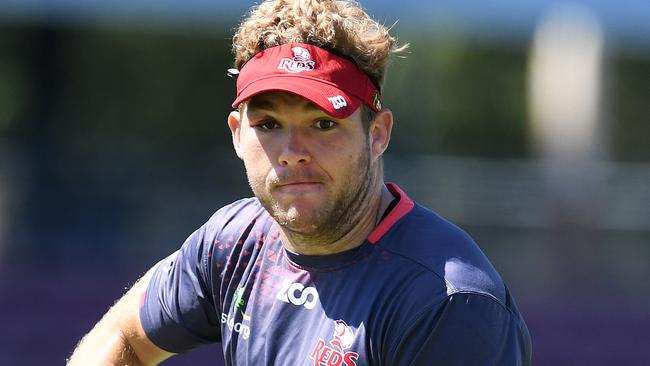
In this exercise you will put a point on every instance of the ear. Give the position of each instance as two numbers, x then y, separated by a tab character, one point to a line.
380	130
234	123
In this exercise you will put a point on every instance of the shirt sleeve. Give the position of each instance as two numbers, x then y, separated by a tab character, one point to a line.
467	329
177	310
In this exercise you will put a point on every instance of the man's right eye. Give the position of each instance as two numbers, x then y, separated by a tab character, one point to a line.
267	125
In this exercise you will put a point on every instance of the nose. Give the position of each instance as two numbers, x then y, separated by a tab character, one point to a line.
294	150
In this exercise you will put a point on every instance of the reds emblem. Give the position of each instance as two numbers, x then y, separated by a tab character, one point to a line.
301	61
301	54
343	336
342	339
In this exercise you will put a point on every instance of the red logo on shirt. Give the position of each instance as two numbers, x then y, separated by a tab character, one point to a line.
323	354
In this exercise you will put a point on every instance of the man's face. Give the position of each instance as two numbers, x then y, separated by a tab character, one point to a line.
309	170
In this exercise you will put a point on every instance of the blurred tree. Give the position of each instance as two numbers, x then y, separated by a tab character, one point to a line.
14	77
630	109
460	98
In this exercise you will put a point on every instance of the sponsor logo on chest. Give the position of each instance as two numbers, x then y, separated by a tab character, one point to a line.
297	294
236	326
234	322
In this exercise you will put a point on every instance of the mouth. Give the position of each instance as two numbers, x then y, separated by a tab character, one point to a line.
298	183
298	186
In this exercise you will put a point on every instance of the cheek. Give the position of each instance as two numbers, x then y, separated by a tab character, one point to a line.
256	173
256	162
255	158
345	156
342	149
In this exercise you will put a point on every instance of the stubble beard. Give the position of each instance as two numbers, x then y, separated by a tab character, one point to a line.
334	218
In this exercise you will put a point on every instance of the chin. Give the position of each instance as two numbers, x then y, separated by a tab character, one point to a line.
300	220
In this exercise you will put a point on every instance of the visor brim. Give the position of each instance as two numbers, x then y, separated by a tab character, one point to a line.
330	99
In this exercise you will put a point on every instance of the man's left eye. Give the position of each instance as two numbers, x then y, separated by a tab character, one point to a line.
324	124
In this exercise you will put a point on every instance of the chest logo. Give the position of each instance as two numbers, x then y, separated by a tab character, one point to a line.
234	322
334	354
296	293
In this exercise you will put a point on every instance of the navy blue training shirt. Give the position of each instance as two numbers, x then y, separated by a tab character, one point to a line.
418	291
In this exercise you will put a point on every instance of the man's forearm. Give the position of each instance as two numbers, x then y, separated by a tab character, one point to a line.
106	344
118	339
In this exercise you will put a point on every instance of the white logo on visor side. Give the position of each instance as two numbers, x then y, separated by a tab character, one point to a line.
301	61
338	102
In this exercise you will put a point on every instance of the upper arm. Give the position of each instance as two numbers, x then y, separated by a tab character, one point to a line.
178	310
171	309
467	329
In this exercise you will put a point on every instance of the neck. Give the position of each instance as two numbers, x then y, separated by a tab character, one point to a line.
362	225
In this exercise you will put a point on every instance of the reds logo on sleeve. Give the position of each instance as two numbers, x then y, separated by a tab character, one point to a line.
342	339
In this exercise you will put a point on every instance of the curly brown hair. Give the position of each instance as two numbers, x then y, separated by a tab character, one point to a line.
339	25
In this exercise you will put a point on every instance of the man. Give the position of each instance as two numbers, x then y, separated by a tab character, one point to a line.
327	265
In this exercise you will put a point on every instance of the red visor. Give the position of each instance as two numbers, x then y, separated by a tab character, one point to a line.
336	85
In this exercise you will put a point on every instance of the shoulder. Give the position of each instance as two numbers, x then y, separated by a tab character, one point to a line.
226	228
442	249
240	209
235	215
464	313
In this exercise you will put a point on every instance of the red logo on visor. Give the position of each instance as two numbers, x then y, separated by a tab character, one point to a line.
301	61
